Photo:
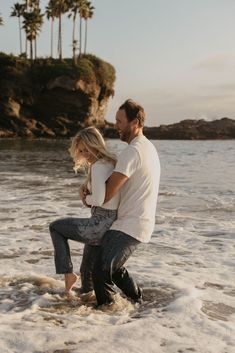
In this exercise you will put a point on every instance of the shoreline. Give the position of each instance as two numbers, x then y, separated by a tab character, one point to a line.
185	130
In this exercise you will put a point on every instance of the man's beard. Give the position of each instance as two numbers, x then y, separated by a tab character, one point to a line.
125	135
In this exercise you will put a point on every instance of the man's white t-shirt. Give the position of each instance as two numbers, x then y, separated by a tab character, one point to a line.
138	197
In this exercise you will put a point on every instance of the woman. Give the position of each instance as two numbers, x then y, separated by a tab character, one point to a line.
88	148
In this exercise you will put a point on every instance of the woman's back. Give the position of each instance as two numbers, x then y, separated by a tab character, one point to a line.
100	172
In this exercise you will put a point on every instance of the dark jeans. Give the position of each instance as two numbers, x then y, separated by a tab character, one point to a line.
89	257
116	247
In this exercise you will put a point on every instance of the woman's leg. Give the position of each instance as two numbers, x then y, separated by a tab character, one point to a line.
83	230
62	230
63	263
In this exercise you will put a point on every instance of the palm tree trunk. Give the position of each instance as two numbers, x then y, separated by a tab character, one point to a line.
73	40
85	36
31	50
80	37
52	27
20	36
35	48
58	43
26	41
60	38
26	46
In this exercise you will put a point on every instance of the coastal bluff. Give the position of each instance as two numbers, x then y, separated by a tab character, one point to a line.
49	98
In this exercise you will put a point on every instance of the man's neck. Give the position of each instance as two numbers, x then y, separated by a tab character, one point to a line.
135	134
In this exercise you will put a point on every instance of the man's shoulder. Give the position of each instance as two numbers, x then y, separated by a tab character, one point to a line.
142	144
140	140
128	150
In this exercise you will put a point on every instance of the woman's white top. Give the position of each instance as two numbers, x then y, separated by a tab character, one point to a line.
100	172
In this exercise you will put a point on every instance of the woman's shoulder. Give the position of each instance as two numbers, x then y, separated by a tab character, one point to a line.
102	163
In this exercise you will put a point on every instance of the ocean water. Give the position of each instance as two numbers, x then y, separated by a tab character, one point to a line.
187	270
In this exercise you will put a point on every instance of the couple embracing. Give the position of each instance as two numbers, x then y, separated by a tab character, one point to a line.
122	194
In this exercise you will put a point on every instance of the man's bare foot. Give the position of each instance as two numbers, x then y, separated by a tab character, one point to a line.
70	281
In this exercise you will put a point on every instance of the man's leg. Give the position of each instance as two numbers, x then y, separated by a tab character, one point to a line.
89	257
116	247
127	284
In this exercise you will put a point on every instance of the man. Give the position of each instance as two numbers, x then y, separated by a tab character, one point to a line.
136	175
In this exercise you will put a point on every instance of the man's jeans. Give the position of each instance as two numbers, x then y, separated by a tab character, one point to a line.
116	247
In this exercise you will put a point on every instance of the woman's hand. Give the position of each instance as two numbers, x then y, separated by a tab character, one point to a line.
83	192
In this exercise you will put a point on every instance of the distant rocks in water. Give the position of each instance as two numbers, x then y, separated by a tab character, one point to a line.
191	129
187	130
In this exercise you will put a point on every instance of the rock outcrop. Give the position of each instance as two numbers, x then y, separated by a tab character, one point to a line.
52	99
191	129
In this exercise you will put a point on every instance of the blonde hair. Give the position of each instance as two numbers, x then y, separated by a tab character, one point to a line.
93	141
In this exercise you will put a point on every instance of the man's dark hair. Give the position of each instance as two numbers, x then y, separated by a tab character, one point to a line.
133	111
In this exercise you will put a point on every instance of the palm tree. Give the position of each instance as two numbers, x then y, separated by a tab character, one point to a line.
26	5
59	8
17	11
88	13
33	21
82	8
28	27
51	14
74	6
35	5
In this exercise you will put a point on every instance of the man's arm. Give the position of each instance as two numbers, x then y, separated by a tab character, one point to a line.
113	184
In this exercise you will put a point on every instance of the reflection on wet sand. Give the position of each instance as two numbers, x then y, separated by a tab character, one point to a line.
217	311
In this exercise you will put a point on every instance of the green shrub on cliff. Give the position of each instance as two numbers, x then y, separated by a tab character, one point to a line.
11	67
89	68
105	73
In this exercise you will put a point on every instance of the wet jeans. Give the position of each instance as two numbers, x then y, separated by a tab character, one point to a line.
116	247
90	253
85	230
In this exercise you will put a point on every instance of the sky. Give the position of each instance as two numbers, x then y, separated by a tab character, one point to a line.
176	58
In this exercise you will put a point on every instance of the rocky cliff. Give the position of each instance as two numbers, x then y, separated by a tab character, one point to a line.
49	98
191	129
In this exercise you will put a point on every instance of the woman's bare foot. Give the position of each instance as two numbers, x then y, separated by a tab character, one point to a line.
70	280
